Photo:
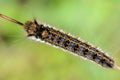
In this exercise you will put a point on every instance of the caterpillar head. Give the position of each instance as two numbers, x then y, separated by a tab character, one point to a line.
31	27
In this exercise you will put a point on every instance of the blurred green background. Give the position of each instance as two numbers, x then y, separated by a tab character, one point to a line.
96	21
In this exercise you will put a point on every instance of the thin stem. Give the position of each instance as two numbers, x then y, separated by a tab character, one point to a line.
117	67
10	19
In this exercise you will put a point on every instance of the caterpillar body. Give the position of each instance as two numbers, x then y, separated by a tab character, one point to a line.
58	38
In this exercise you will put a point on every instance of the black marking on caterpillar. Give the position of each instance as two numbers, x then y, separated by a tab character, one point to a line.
58	38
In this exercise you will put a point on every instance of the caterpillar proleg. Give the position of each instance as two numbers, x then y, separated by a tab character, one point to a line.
58	38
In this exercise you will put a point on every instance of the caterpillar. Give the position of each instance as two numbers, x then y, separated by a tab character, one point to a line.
45	33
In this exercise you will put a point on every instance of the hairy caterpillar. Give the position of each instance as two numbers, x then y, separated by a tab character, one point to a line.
42	32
